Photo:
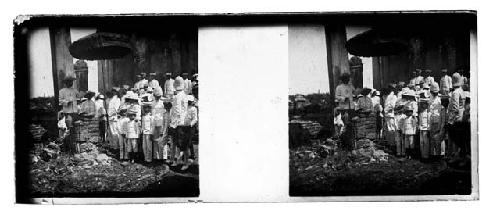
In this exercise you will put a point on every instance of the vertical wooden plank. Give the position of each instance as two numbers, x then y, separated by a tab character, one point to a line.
337	55
62	61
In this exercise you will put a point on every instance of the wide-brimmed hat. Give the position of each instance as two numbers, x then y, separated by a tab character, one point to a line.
132	110
408	92
152	74
190	98
149	89
434	87
143	74
377	93
126	86
457	80
426	86
168	73
179	83
157	92
412	83
100	96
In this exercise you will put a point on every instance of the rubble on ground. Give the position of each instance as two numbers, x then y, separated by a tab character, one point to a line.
366	167
92	170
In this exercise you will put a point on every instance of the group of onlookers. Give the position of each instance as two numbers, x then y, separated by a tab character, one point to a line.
424	118
144	122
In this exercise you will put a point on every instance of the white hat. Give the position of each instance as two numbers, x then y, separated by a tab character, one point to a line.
190	98
179	83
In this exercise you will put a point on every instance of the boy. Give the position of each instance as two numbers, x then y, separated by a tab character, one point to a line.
147	131
158	111
191	120
436	124
166	131
398	136
408	127
424	125
121	132
132	134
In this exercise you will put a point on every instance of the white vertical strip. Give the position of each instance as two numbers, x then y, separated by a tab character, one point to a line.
40	63
243	113
474	112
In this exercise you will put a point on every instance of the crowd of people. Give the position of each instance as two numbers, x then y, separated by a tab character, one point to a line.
145	122
423	119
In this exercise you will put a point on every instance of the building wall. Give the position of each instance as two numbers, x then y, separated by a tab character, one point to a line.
40	63
307	59
175	52
432	50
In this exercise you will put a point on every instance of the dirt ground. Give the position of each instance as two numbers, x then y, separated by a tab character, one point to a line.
326	171
98	173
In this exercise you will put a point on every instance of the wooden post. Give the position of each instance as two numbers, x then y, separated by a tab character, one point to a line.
336	56
62	61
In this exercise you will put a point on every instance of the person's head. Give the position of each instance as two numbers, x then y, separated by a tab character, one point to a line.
424	104
179	84
138	76
68	82
131	116
144	75
417	87
345	78
444	71
147	109
122	112
184	76
366	91
456	80
167	105
418	72
157	93
408	112
428	72
100	97
168	75
89	95
190	99
152	76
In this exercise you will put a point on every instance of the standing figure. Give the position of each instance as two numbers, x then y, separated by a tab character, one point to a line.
445	82
169	86
424	127
437	123
178	116
68	100
157	112
147	131
191	121
132	134
408	126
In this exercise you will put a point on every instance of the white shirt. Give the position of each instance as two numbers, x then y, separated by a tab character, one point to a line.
169	87
154	83
179	109
113	107
390	105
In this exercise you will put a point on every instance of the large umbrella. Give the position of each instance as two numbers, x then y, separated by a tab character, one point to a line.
376	43
101	45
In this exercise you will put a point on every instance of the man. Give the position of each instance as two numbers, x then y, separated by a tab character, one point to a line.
68	100
445	82
455	116
418	76
428	77
169	85
142	81
152	82
344	93
188	85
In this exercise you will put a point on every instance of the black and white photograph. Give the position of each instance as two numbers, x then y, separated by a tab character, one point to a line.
380	104
111	107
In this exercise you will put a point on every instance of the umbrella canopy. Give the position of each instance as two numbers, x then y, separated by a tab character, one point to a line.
376	43
101	45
